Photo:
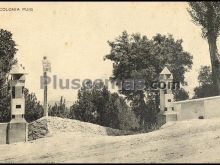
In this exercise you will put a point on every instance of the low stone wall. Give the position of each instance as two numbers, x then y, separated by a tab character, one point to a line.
17	132
13	132
198	108
3	133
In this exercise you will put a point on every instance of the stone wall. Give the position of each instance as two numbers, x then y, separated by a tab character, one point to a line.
17	132
3	133
198	108
13	132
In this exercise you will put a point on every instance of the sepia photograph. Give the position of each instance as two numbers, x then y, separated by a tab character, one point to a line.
109	82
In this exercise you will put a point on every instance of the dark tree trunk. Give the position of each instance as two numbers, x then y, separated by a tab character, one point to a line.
215	61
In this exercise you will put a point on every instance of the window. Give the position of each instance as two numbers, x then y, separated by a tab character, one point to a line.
13	116
169	100
18	106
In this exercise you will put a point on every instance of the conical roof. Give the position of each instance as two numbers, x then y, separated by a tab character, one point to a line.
165	71
17	69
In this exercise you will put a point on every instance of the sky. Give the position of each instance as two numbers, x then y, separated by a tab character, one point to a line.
74	35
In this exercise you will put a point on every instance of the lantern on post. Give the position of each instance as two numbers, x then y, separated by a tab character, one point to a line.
46	68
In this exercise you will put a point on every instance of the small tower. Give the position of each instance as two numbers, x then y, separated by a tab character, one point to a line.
17	92
17	131
166	97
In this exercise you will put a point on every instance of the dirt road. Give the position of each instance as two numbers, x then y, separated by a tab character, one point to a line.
195	141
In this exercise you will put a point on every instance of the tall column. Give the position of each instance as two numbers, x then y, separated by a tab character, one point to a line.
46	68
45	95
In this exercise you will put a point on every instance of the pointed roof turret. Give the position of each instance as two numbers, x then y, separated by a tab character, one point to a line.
18	69
165	71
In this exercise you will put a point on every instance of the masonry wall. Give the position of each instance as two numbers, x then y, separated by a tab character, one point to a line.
13	132
3	133
193	109
17	132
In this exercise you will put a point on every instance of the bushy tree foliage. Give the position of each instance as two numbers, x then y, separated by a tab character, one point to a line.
205	76
137	57
8	49
7	55
180	94
7	59
101	107
59	110
206	14
206	86
33	109
5	105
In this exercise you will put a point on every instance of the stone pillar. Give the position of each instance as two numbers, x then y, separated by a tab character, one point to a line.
167	112
17	129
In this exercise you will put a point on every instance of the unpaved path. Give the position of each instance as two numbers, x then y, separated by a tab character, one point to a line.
196	141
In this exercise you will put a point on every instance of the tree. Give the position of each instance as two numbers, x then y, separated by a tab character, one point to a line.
125	116
33	109
137	57
84	109
205	75
207	15
59	110
5	105
206	86
180	94
7	54
101	107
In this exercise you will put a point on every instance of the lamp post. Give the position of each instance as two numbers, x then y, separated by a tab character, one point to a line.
46	68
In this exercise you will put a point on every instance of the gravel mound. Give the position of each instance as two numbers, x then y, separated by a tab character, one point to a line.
37	129
51	126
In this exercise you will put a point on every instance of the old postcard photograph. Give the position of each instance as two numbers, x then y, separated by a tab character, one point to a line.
109	82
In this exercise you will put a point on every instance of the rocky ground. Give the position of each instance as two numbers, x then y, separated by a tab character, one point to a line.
64	140
54	125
